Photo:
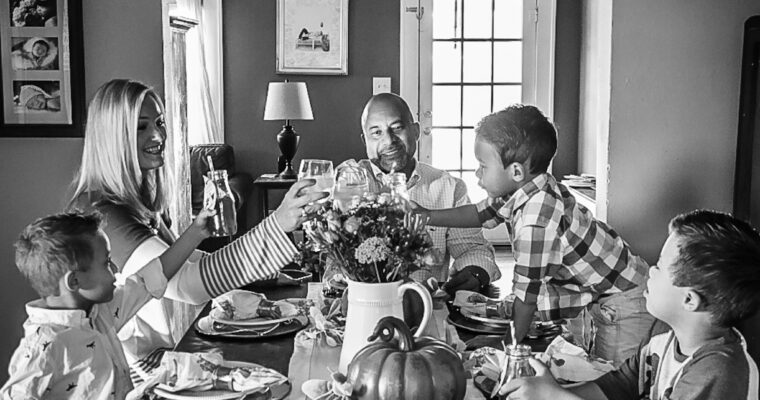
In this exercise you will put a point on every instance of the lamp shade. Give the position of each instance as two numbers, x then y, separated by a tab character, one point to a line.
287	100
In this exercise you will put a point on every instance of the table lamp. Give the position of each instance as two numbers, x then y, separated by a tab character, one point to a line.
288	101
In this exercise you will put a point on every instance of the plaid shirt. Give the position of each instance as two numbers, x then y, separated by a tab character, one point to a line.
565	258
435	189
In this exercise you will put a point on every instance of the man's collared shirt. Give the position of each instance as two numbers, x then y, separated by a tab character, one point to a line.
565	258
67	354
436	189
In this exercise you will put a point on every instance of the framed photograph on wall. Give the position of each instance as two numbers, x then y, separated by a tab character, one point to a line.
41	68
312	37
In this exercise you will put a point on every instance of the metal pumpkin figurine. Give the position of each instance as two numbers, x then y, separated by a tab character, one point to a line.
424	368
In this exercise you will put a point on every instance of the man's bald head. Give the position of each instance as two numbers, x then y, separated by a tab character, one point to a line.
390	133
391	99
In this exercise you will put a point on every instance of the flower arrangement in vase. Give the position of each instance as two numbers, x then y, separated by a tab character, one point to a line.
371	240
376	242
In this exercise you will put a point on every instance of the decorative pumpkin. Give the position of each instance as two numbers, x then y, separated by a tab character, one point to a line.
425	368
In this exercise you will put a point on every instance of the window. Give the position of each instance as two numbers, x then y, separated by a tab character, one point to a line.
462	60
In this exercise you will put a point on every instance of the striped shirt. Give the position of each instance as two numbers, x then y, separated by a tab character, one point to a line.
565	258
436	189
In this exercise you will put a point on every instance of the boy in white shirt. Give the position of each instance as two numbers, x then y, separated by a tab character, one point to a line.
70	348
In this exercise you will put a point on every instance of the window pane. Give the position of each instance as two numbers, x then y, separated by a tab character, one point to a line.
477	18
446	103
468	150
473	190
443	19
503	96
447	148
507	65
446	62
477	104
477	62
508	14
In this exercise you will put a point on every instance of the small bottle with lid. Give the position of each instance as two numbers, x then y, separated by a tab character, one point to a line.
218	196
516	365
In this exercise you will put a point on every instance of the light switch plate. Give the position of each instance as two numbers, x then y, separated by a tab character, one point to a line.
381	85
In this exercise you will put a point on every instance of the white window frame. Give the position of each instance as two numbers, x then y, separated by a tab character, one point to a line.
416	76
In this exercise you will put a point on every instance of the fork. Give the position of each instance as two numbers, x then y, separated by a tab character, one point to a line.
258	332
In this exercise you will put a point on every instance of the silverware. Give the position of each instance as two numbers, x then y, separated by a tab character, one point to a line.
221	328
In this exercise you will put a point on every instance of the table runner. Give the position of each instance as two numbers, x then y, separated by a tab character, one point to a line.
315	361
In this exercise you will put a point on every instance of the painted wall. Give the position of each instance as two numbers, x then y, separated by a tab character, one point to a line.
337	101
673	112
35	173
566	87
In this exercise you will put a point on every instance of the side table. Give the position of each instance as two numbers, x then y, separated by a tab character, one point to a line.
263	184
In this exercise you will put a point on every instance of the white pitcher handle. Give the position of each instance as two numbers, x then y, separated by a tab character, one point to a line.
427	302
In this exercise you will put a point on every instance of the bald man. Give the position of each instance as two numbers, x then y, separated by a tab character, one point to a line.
390	136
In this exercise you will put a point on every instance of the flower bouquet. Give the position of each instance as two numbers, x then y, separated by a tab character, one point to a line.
373	240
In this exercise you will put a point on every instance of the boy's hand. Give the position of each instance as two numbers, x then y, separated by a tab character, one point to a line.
539	387
418	209
200	223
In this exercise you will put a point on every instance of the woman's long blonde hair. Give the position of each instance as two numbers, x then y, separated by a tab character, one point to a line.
110	166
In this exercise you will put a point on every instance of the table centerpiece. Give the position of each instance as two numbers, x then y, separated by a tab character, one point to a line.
376	242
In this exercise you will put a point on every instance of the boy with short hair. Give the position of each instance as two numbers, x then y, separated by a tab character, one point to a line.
70	348
706	281
567	262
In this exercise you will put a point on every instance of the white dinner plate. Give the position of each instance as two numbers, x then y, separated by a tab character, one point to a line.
278	391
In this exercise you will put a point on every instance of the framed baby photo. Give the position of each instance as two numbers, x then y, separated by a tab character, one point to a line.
312	37
41	68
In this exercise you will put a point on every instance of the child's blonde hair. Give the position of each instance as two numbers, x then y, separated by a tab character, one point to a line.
51	246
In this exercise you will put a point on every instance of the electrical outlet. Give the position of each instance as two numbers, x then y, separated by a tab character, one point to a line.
381	85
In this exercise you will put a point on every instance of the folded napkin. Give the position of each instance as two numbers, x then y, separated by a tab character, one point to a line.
570	363
205	371
241	305
324	328
477	304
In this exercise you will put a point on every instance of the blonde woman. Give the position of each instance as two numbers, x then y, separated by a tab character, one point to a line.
123	175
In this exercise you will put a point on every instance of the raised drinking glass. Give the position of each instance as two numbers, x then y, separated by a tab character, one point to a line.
319	170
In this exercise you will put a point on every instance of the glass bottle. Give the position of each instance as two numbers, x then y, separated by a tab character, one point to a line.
516	365
218	196
351	184
399	194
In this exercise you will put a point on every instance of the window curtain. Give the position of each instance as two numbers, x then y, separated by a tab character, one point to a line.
203	112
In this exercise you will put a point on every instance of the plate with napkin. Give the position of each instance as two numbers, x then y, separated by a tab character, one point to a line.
250	309
208	376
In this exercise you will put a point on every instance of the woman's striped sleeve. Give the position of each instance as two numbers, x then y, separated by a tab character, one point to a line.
257	255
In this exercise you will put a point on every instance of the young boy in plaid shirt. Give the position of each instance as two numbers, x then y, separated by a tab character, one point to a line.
706	281
567	262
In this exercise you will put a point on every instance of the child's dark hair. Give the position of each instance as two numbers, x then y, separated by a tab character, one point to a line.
719	256
520	133
51	246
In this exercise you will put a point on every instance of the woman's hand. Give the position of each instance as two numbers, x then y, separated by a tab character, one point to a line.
541	386
199	227
291	213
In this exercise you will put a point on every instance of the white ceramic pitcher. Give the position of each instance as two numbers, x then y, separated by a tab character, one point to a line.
367	304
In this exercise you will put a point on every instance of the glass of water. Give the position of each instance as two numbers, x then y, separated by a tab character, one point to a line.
319	170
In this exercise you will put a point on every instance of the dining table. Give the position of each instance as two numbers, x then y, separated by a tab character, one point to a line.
276	352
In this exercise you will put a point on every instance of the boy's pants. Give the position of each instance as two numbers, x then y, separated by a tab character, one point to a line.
613	326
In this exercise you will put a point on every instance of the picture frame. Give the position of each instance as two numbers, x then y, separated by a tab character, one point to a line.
41	68
312	37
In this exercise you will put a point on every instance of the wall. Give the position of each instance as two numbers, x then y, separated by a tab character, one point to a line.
566	87
337	101
35	173
673	112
